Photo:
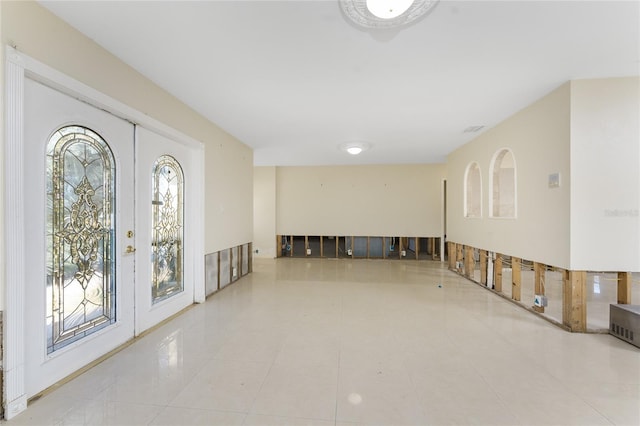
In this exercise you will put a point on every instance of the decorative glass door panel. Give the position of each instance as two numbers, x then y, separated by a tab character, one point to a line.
80	236
167	228
165	272
78	201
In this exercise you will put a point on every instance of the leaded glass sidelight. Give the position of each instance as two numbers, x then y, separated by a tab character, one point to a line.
80	236
167	228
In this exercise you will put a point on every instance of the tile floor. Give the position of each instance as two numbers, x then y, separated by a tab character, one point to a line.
341	342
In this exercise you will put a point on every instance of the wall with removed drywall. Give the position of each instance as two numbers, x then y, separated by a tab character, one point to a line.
587	132
539	138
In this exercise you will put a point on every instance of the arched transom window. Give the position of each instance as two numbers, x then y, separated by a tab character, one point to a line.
503	201
473	191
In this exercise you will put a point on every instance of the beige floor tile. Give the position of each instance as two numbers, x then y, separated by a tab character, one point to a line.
350	343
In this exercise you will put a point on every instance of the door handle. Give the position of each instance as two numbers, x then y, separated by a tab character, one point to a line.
130	249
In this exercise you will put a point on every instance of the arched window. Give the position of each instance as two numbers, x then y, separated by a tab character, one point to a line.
167	228
80	239
503	175
472	191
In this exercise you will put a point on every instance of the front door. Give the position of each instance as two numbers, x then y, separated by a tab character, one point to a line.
79	203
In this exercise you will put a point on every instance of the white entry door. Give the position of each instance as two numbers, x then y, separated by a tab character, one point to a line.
165	236
79	199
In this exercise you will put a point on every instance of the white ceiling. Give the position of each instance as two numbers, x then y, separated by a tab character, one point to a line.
294	79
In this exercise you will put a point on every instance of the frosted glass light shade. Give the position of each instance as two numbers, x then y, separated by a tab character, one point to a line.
388	9
382	14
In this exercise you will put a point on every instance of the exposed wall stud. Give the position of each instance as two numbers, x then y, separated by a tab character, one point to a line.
497	273
218	256
384	247
452	255
574	301
469	261
624	287
538	283
516	279
483	267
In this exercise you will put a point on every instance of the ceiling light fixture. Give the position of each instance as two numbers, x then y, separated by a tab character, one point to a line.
385	13
354	148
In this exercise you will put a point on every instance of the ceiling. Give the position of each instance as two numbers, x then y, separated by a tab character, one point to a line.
295	79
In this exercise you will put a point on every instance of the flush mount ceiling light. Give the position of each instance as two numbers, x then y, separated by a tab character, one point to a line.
385	13
354	148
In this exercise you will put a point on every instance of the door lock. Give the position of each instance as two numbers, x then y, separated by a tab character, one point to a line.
129	234
130	249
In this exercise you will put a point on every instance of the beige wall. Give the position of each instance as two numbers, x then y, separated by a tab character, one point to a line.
264	211
605	159
229	164
377	200
539	138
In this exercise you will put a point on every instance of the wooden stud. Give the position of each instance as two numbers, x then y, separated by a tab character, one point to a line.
278	245
336	239
238	262
306	245
384	247
497	273
538	282
417	248
430	246
483	267
625	281
574	301
459	257
368	245
353	239
469	262
250	266
218	260
230	265
516	279
452	256
435	253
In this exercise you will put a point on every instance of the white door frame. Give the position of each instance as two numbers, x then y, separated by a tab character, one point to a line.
17	67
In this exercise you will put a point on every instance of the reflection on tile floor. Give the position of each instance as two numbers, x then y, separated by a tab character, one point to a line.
341	342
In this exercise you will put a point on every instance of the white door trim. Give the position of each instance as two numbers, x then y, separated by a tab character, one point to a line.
14	301
18	66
